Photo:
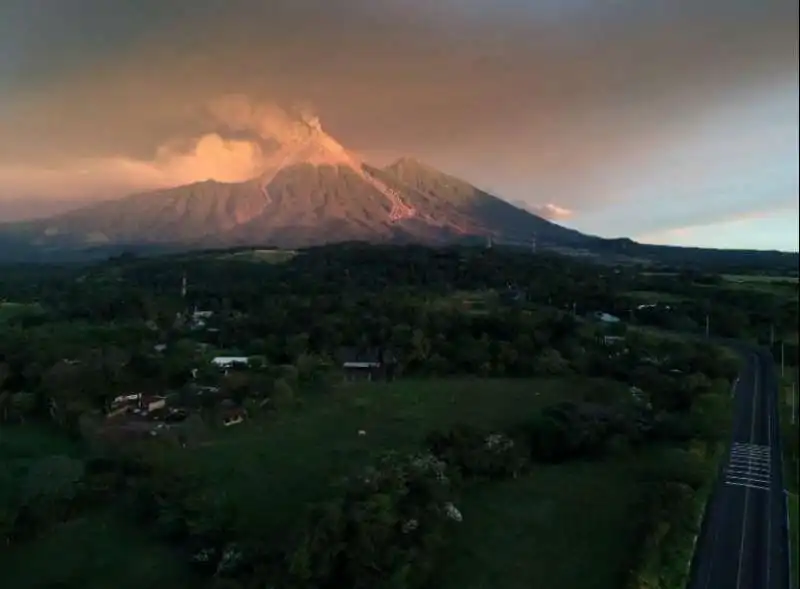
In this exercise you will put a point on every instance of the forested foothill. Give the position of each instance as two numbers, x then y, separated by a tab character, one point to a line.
367	416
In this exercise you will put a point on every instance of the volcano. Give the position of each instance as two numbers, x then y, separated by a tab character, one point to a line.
310	191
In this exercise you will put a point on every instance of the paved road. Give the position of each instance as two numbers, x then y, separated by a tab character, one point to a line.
743	543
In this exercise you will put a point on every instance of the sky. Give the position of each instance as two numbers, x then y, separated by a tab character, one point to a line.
668	121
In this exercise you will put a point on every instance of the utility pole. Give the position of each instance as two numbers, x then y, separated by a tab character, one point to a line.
533	244
794	400
708	326
771	336
782	356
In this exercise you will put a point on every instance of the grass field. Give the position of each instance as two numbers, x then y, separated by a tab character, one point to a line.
564	527
20	446
21	442
756	278
567	525
10	311
782	286
270	469
653	296
473	302
263	256
97	551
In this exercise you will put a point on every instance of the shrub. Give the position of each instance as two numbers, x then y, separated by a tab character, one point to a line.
570	430
383	531
668	517
477	454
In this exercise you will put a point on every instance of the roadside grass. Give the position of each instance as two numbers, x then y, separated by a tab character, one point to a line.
794	520
568	526
269	469
95	551
791	466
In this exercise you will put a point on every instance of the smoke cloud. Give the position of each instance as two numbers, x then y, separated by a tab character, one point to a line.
247	133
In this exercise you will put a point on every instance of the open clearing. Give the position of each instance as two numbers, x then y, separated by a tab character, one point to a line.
97	551
472	302
271	468
93	551
653	296
20	446
9	311
263	256
566	526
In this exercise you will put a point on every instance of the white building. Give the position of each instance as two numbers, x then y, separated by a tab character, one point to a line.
228	361
606	318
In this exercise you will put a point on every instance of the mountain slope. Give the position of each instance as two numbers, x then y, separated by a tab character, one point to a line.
498	217
311	191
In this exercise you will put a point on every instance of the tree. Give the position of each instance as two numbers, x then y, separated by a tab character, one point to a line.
50	486
550	362
23	405
282	394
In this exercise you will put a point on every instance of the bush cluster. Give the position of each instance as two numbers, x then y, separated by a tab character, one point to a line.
477	454
383	530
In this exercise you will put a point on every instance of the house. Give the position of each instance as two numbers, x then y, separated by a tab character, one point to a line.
150	403
654	306
123	404
229	361
361	370
606	317
198	318
610	340
233	417
129	399
370	364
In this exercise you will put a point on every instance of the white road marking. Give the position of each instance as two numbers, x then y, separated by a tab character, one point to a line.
748	485
769	498
749	465
747	489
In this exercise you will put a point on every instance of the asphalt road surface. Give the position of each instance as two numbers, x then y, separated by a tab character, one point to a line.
743	543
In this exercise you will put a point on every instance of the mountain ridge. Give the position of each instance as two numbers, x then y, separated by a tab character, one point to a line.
310	191
326	198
